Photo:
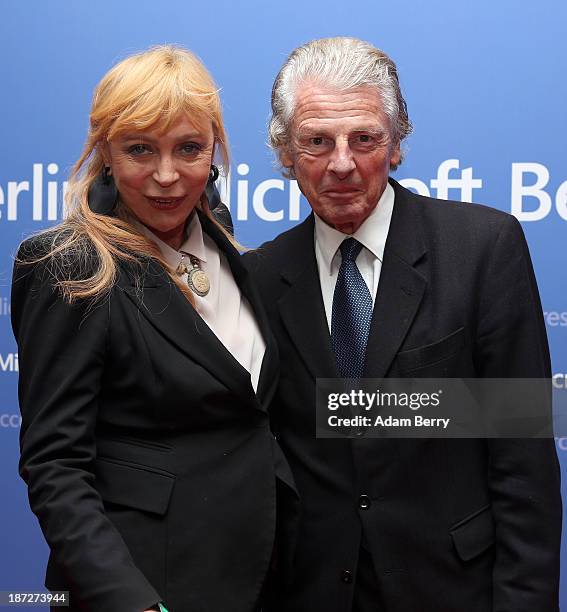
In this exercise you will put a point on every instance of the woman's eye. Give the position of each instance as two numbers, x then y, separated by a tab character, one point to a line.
190	148
138	149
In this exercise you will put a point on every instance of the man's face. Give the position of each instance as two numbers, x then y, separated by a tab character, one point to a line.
340	151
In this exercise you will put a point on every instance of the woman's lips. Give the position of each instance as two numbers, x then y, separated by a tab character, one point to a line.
165	203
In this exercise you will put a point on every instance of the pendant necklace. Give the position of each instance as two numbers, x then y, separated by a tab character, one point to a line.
197	279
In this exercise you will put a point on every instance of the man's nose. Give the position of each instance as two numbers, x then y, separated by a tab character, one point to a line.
341	162
165	172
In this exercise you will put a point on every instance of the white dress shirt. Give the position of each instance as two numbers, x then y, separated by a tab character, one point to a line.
371	234
224	309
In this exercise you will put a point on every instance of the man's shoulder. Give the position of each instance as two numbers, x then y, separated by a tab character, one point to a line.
456	216
298	235
274	253
439	207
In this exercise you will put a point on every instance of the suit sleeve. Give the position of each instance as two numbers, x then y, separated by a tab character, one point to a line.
523	474
61	362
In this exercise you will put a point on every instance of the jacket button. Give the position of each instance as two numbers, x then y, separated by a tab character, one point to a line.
364	502
346	576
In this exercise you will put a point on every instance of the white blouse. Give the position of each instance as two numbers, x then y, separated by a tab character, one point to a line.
224	309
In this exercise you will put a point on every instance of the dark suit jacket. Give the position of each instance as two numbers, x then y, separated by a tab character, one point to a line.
148	456
452	525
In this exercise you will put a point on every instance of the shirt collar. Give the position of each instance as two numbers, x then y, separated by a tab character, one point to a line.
193	244
371	234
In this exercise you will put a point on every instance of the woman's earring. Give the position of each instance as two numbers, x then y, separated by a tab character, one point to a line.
213	174
219	210
103	194
213	196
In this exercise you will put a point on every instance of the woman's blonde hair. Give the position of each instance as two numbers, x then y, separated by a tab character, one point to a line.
148	90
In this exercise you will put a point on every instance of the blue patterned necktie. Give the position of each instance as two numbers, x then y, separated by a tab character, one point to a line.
352	313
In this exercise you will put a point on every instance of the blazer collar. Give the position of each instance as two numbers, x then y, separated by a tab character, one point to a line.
159	300
269	372
399	294
301	306
402	284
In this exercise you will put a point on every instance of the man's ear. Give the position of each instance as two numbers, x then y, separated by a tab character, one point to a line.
286	158
395	155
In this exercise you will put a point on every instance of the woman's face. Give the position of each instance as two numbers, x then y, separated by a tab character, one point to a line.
161	176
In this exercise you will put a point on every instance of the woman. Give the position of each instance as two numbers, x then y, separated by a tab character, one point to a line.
146	363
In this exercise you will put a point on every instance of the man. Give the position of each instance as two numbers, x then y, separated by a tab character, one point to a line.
434	289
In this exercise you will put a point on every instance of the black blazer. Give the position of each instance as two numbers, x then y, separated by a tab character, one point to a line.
148	456
452	525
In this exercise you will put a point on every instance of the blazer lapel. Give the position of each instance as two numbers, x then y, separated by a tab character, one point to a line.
269	371
159	300
401	286
301	307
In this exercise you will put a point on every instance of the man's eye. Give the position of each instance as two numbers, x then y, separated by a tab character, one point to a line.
138	149
364	138
317	140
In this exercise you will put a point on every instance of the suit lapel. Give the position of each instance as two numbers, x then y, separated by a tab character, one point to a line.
401	286
399	294
159	300
301	307
269	371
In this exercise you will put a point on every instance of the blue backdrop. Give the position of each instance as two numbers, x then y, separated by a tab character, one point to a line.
485	86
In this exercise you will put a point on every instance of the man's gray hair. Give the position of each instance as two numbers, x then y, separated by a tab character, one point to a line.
342	63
